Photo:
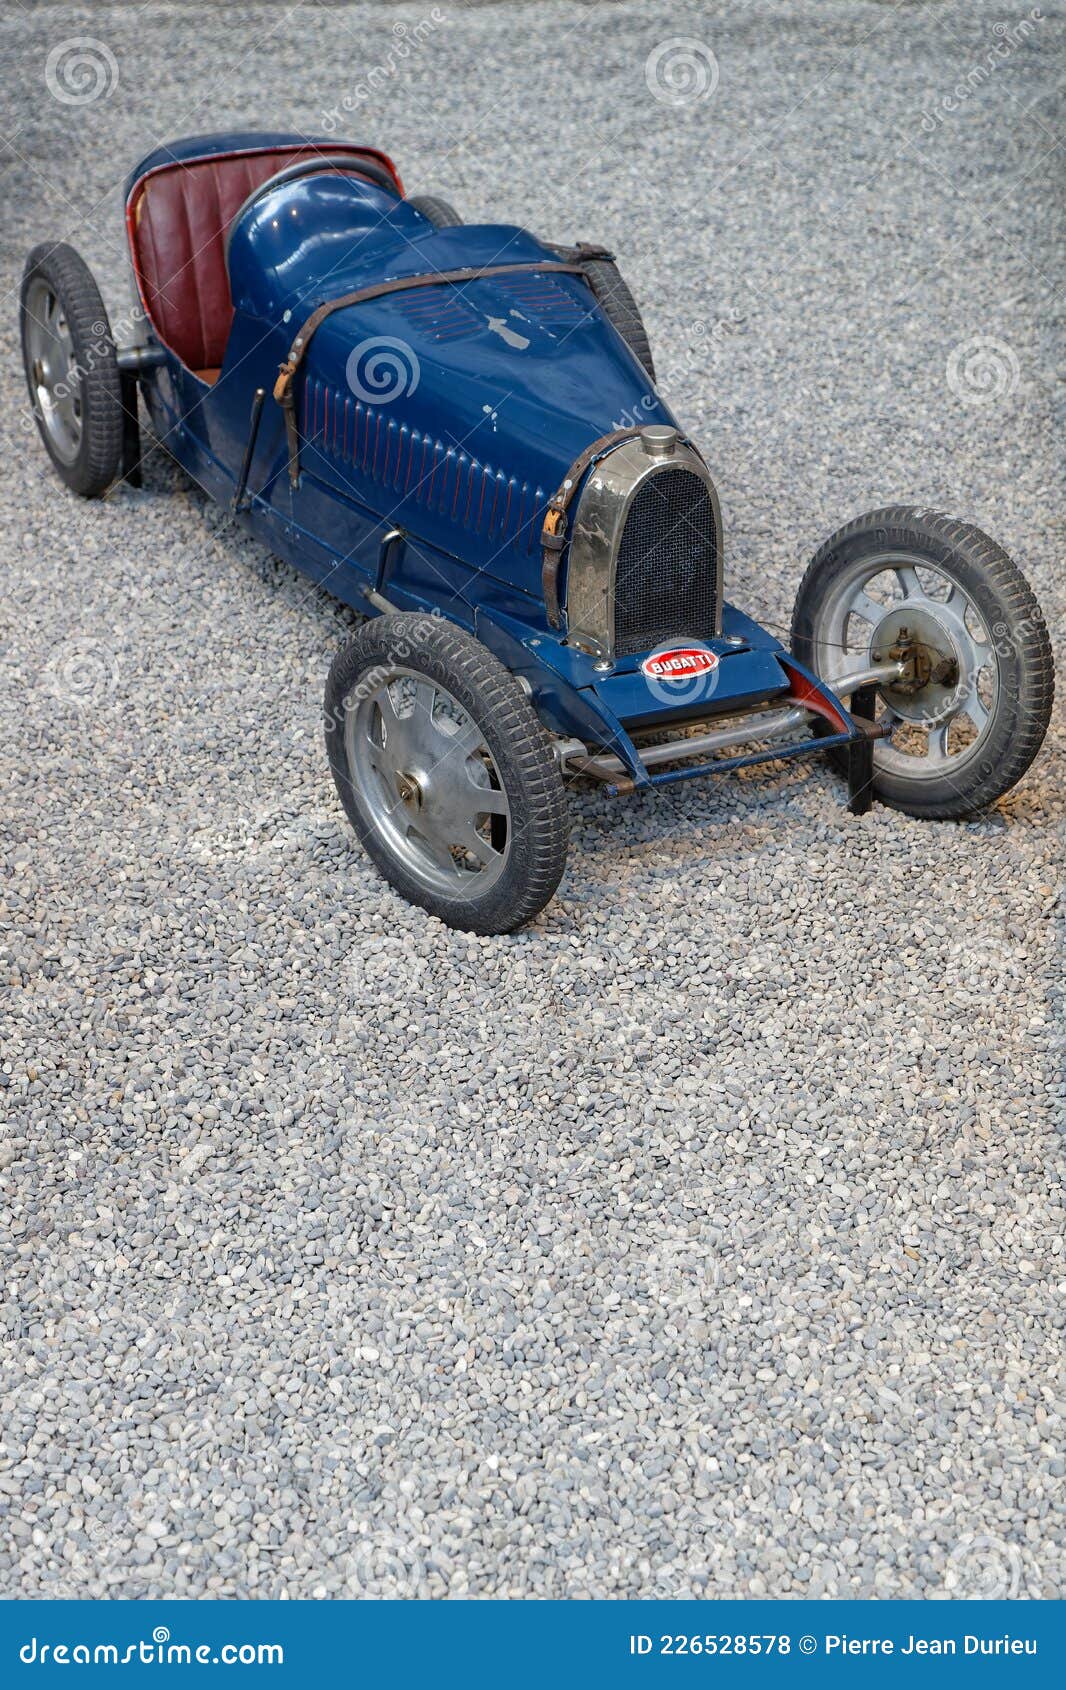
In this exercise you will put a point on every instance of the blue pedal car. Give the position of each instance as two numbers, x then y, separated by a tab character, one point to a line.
455	428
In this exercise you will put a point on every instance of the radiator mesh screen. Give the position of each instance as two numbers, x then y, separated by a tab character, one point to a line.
666	580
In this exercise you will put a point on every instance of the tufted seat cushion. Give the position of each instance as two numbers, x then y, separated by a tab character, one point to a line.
178	216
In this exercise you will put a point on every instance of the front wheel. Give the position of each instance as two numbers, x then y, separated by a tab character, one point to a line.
970	705
445	773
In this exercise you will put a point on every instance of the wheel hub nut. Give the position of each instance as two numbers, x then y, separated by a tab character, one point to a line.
409	789
923	664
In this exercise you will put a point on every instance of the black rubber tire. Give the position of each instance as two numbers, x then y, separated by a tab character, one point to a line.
440	213
519	745
619	306
615	301
1017	629
99	459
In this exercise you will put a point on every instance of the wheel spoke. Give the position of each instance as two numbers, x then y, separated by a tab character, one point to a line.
907	577
487	801
386	708
66	407
478	847
425	694
459	742
375	752
969	616
976	710
956	600
396	728
938	742
435	849
863	605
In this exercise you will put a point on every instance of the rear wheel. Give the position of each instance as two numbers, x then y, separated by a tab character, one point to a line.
971	706
71	369
446	773
439	212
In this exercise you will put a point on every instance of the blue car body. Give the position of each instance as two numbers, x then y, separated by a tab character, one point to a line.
434	503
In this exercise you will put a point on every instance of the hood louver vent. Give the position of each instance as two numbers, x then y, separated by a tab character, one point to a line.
421	471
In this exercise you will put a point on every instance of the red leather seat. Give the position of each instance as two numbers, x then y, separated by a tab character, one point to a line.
178	217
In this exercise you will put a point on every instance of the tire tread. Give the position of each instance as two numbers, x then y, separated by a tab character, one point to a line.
502	710
100	458
1026	726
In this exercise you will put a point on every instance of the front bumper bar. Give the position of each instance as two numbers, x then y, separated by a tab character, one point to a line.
811	705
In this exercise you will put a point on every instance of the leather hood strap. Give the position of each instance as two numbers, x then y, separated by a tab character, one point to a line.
400	284
283	386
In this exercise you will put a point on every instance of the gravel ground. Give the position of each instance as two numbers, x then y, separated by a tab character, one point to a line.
702	1238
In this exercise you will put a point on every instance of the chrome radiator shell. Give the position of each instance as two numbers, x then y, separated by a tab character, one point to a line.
596	601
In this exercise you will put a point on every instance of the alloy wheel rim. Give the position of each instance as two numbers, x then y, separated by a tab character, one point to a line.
428	783
55	380
875	603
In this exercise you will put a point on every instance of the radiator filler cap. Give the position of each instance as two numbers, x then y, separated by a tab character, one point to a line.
658	440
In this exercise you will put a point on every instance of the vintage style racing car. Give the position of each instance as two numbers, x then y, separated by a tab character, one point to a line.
455	428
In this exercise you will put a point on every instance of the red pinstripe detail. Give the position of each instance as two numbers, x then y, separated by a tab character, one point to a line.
474	467
807	693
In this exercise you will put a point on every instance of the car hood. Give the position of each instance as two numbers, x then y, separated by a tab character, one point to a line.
466	404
